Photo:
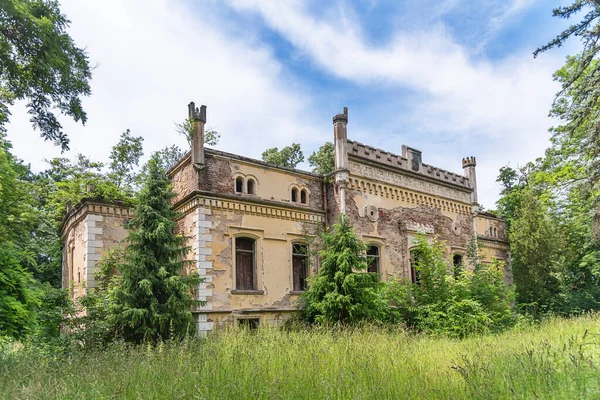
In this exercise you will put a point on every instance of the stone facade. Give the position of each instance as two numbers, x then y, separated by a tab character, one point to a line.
253	227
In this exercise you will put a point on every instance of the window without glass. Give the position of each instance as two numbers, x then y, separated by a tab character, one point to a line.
303	196
249	323
239	184
415	258
245	263
373	259
294	195
250	186
299	266
457	261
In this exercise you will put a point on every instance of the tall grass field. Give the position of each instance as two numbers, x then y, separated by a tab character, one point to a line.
559	359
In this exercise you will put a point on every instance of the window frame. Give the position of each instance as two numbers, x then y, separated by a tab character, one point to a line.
248	186
414	274
294	195
241	180
306	257
371	258
303	196
254	259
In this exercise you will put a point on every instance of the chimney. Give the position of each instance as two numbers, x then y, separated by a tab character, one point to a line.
198	119
413	156
340	138
469	164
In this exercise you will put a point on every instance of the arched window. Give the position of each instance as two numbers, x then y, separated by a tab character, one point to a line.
457	262
251	186
239	184
303	196
299	266
415	269
373	257
294	195
245	263
495	232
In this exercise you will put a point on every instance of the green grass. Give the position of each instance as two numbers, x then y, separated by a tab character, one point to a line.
559	359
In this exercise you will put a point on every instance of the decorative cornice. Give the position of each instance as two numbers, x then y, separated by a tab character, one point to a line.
106	209
223	204
494	243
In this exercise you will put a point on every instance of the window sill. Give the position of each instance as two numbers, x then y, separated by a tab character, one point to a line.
297	292
250	292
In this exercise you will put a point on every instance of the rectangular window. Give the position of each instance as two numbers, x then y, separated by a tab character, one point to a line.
373	259
249	323
244	263
415	273
299	266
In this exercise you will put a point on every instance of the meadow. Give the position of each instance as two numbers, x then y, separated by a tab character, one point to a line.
557	359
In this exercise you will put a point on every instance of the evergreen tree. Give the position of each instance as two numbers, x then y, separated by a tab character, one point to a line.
153	299
343	291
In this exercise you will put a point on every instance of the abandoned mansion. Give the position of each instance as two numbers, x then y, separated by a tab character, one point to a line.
251	225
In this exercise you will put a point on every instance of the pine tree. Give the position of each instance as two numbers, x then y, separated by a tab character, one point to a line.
153	299
343	291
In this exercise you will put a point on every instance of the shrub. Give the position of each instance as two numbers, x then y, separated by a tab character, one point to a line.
474	302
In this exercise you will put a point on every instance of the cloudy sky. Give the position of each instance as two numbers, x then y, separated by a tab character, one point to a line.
450	77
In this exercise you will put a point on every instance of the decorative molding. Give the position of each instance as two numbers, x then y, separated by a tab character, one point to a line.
493	243
105	210
249	208
372	213
203	250
406	196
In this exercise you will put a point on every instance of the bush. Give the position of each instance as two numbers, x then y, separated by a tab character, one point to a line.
474	302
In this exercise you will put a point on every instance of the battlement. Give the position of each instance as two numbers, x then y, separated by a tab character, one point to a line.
356	149
469	162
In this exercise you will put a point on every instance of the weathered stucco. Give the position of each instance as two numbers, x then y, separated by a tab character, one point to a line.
388	198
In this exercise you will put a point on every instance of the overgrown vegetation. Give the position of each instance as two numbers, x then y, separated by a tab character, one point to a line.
555	360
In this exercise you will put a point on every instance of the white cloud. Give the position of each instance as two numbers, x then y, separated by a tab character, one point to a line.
153	58
497	111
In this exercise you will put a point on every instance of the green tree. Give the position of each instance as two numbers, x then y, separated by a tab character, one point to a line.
153	299
124	157
343	291
323	160
40	63
288	156
534	244
211	136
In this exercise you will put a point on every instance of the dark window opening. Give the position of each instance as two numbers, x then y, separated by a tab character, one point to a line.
457	262
415	268
303	196
373	259
244	264
299	266
239	184
294	195
250	186
249	323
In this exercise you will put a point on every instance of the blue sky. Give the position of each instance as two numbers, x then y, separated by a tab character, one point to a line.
452	78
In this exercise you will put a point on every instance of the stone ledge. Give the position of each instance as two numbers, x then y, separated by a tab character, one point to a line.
248	292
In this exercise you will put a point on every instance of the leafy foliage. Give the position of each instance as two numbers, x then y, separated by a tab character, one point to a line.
343	291
211	136
287	157
41	64
124	157
153	299
474	302
323	160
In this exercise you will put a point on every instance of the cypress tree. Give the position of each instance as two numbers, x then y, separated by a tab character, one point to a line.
343	291
153	299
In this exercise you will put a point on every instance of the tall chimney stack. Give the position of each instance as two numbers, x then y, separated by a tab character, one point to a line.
198	118
469	164
340	139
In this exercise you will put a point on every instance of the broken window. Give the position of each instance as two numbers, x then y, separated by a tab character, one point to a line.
249	323
250	186
239	184
303	196
373	259
294	195
299	266
457	261
244	263
415	259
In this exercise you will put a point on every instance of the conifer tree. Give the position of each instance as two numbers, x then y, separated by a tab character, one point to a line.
153	299
343	291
